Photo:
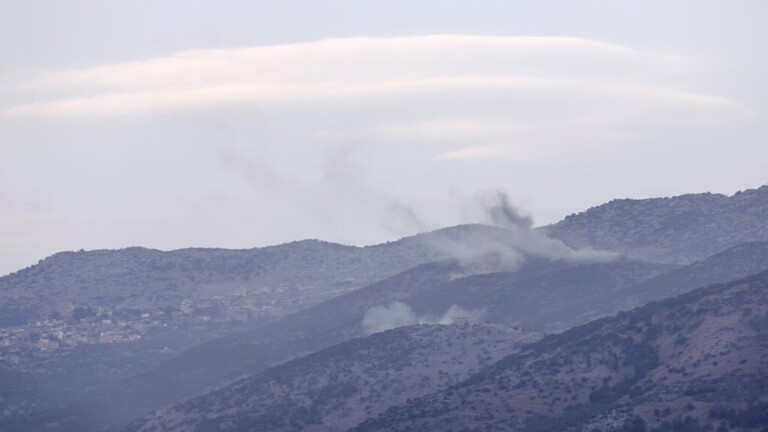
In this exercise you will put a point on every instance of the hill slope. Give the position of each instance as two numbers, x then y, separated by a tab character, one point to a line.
116	314
677	230
695	362
329	323
340	386
582	290
286	277
541	296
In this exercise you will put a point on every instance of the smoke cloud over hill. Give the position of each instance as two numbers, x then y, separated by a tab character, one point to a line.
509	246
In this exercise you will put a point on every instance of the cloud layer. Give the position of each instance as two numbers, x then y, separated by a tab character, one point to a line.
475	96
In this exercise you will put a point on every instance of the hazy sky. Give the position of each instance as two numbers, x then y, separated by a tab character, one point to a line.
180	123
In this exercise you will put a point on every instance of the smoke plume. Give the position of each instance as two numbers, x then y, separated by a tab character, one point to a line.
398	314
507	243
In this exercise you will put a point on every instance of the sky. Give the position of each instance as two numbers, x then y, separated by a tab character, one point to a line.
241	124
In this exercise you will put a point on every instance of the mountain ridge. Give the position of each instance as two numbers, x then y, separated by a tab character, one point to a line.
677	230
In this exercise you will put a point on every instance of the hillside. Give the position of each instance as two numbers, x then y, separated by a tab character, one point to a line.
341	386
274	280
582	290
78	321
551	296
97	339
329	323
541	296
695	362
677	230
731	264
546	298
219	361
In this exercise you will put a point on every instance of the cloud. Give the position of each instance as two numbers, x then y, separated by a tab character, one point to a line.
348	60
465	97
358	66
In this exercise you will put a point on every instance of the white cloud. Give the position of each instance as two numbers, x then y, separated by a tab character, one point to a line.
469	97
357	59
349	67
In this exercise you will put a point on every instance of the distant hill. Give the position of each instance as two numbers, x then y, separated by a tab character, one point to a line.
215	363
156	304
551	296
332	322
287	277
77	321
274	280
696	362
677	230
731	264
542	296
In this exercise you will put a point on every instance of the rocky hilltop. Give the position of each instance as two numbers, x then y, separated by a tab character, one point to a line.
677	230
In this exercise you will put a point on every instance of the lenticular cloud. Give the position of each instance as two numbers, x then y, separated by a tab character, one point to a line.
471	97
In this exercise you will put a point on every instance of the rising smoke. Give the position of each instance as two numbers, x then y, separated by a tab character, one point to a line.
504	242
502	214
508	242
398	314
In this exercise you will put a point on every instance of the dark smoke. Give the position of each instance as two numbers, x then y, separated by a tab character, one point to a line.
504	215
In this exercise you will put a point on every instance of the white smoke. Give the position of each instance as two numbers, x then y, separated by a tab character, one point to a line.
381	318
398	314
507	246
